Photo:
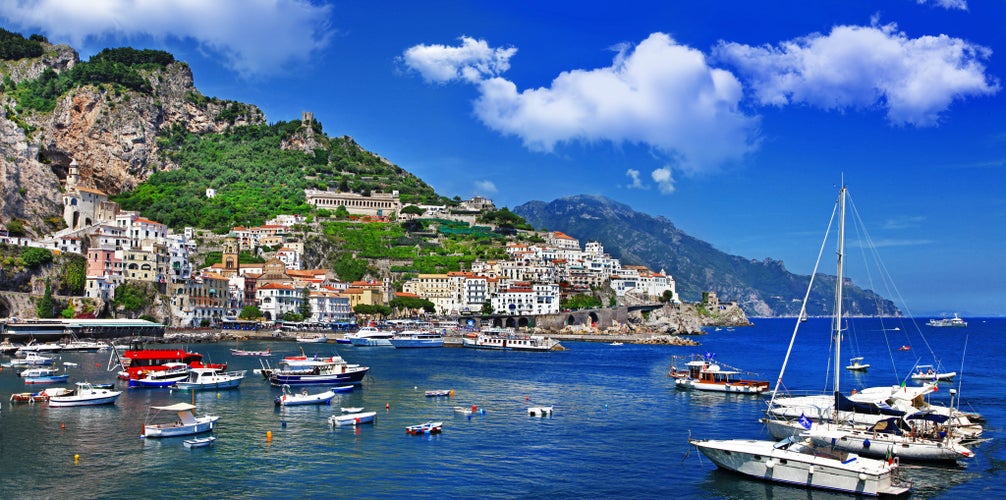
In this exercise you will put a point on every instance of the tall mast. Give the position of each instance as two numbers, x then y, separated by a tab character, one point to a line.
837	325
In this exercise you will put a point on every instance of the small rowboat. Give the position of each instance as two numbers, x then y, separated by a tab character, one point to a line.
352	419
352	409
425	428
199	442
304	398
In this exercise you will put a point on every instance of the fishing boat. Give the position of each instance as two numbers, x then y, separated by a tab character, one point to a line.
540	411
43	376
509	341
210	379
332	370
352	418
472	410
186	423
289	398
85	395
705	374
166	375
928	372
955	322
856	364
429	427
440	393
836	425
202	442
413	339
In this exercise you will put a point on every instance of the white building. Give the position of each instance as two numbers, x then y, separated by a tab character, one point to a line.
524	299
276	299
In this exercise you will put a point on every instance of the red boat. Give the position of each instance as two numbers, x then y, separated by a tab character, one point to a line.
136	363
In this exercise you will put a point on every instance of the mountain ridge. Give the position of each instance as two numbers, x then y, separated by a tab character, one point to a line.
760	287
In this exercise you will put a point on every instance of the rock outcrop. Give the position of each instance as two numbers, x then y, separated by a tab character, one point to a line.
111	131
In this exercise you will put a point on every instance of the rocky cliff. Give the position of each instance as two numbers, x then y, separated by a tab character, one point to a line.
110	130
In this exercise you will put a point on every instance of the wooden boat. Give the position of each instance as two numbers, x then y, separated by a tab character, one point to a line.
539	411
210	379
856	364
352	418
40	396
440	393
705	374
199	442
304	398
430	427
85	395
186	424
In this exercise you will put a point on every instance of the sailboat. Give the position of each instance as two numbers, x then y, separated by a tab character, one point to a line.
800	460
865	425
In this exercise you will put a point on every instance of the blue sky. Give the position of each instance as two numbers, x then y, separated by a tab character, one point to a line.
734	119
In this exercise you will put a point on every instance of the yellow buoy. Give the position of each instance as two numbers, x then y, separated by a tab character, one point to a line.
452	393
76	458
268	436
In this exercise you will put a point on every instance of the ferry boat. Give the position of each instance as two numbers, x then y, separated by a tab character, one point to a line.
137	362
415	338
955	322
704	374
512	342
371	336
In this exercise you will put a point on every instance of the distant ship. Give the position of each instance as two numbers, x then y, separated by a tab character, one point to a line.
955	322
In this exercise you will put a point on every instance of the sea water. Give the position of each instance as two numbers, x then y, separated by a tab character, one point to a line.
620	428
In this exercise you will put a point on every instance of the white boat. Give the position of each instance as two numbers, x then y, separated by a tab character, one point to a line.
312	339
352	418
411	339
40	396
927	372
836	425
955	322
351	409
540	411
511	342
210	379
86	395
199	442
370	336
288	398
32	358
186	423
472	410
429	427
798	460
705	374
616	343
169	376
856	364
43	375
801	462
261	354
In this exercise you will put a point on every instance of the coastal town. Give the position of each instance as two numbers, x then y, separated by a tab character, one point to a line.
123	246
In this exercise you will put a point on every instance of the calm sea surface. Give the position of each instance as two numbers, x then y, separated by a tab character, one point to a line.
620	427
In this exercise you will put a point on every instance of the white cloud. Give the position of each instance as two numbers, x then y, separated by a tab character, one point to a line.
471	62
658	94
253	37
634	175
485	187
905	222
947	4
857	67
664	180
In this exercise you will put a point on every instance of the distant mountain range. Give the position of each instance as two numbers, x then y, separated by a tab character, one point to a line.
762	288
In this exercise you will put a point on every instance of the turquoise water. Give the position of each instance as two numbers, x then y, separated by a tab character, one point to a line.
619	429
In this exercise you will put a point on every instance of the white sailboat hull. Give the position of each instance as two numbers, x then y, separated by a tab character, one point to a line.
763	460
870	444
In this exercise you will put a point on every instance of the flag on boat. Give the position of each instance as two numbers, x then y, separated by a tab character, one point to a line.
890	456
805	422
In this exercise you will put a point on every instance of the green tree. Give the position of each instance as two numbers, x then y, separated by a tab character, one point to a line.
46	306
74	276
34	257
250	312
414	210
292	316
305	303
15	228
412	303
130	297
487	308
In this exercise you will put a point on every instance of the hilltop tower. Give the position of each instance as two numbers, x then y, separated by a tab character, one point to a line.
231	254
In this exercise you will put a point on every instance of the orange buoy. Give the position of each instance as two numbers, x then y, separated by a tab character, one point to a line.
475	408
62	426
387	406
268	436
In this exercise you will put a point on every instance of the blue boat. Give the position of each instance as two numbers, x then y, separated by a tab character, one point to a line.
43	376
321	375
